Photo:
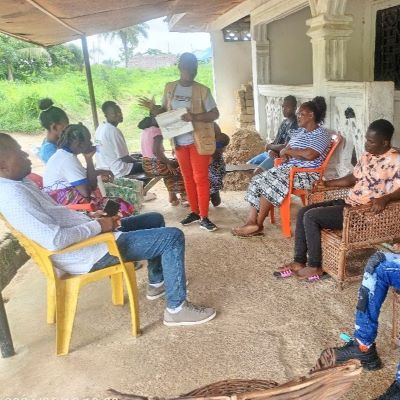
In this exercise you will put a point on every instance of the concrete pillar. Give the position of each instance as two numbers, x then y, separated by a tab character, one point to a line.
261	73
329	30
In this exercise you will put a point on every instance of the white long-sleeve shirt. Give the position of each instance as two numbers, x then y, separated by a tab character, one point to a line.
53	226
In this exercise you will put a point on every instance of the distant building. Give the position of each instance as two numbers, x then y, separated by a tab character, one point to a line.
146	61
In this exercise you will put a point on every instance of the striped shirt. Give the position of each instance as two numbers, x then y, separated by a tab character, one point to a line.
319	140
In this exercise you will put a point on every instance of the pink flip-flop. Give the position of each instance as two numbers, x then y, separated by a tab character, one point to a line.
287	273
316	278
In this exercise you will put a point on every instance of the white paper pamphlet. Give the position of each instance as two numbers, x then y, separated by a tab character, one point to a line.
171	123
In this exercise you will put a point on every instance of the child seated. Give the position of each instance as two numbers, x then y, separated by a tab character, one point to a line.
216	170
156	163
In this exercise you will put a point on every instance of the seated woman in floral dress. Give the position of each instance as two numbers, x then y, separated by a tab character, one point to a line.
307	148
67	181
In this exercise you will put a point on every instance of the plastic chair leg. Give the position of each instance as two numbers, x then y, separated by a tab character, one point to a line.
303	199
51	302
285	217
117	287
131	287
67	292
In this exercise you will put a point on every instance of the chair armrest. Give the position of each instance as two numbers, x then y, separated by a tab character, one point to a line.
318	194
105	238
363	228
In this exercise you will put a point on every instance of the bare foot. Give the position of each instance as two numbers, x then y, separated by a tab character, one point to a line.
308	272
294	266
246	230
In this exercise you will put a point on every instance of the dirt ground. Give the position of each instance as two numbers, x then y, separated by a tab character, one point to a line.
265	328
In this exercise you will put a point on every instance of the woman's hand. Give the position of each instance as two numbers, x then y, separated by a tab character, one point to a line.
146	102
107	176
173	167
188	117
320	184
91	152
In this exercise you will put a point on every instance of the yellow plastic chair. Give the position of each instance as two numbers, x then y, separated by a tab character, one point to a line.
62	293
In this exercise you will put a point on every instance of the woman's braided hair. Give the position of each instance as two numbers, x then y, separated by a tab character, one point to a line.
318	106
71	133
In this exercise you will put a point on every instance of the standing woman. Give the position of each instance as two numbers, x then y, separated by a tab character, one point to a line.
193	150
54	120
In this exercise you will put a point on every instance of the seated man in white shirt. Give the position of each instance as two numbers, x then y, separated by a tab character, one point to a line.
111	149
55	227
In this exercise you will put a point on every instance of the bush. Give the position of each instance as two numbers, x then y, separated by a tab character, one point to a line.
19	100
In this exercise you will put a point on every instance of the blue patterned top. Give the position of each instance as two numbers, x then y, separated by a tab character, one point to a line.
319	140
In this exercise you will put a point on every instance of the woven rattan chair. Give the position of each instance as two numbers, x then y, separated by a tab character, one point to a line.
345	252
327	384
395	318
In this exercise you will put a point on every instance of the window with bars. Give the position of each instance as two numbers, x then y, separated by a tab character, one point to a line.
387	46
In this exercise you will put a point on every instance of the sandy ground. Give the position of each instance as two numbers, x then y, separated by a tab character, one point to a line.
265	328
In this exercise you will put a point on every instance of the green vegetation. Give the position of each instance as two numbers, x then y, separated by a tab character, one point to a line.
68	89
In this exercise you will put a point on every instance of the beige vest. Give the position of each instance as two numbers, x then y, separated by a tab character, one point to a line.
203	133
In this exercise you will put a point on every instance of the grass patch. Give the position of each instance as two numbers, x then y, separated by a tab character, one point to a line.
19	101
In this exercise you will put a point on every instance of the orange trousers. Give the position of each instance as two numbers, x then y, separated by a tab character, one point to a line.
194	169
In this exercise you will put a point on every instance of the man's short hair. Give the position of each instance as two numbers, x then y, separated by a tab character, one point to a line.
108	104
382	128
291	99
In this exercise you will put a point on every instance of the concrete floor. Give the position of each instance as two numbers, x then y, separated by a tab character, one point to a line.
265	328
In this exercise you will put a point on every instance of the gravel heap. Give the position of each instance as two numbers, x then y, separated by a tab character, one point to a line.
245	144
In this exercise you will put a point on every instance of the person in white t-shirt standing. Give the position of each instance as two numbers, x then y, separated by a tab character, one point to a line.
111	149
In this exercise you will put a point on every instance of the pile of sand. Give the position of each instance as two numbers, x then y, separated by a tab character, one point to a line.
245	144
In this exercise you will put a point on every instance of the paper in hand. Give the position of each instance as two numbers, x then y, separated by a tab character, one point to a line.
171	123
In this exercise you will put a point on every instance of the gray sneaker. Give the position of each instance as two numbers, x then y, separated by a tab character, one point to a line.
153	293
190	314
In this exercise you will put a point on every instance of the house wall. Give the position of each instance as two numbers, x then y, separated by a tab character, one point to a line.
290	50
232	67
355	52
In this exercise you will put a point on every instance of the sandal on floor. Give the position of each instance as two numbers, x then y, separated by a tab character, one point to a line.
174	203
287	273
248	235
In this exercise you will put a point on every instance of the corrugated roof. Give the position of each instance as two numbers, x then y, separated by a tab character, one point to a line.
50	22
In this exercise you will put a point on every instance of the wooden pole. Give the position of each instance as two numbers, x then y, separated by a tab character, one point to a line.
6	344
89	81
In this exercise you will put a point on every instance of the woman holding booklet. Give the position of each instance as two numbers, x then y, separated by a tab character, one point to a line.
194	148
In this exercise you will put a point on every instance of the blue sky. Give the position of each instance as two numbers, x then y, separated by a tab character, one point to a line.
158	38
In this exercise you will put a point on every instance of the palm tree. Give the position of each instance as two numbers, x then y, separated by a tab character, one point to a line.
129	38
12	51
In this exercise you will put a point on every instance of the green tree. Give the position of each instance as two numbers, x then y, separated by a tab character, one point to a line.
129	38
154	52
67	56
16	53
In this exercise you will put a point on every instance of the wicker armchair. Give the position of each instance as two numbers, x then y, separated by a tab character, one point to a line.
326	384
395	318
345	252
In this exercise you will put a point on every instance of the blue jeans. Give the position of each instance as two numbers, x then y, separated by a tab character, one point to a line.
145	237
267	164
258	159
381	272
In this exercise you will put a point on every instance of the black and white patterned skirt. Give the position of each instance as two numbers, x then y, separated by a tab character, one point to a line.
274	185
